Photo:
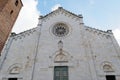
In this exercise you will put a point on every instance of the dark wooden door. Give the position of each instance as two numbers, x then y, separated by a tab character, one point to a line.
60	73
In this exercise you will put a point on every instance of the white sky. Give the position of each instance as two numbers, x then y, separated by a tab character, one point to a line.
28	17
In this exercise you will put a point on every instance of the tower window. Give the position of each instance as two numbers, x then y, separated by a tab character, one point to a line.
16	2
11	12
110	77
12	79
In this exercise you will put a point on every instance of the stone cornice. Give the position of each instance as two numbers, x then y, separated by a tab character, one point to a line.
23	34
107	33
94	29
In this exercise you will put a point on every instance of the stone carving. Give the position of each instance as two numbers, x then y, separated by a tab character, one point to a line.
107	67
61	57
60	30
60	44
14	69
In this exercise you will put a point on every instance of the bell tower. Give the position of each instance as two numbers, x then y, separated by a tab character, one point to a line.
9	10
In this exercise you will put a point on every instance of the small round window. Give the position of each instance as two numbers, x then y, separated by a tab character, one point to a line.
60	30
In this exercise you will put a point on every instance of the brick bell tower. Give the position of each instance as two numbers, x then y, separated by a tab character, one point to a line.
9	10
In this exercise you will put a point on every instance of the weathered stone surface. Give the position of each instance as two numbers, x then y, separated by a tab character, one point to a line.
90	54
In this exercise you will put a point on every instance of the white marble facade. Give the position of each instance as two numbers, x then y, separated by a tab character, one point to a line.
61	39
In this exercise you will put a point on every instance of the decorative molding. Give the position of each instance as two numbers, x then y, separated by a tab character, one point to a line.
23	34
60	29
60	10
15	68
106	34
61	56
68	26
107	66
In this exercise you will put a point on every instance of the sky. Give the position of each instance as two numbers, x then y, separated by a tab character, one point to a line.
99	14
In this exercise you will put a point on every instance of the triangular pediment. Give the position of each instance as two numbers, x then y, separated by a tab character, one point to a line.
60	10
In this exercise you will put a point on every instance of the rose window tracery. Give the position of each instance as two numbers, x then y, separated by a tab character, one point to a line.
60	29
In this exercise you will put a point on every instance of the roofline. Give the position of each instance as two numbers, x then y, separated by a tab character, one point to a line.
108	31
21	2
80	16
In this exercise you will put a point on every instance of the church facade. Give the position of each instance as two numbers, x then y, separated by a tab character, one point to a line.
61	47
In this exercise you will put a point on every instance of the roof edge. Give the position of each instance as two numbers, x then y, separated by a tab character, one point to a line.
21	2
61	8
108	31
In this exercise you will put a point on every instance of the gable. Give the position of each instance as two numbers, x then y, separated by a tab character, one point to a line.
62	12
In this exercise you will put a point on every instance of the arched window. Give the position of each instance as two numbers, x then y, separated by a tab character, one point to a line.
11	12
16	2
